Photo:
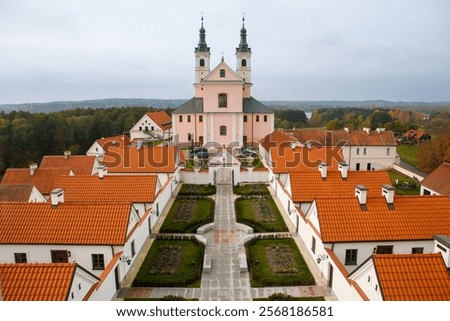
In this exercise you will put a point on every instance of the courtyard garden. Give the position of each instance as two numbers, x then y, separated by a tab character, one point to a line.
277	262
187	214
260	213
197	189
251	189
403	184
171	263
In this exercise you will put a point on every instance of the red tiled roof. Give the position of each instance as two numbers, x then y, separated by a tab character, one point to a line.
43	178
39	223
277	139
341	137
308	185
413	218
110	188
79	164
412	277
119	140
438	180
15	193
415	133
161	118
36	281
302	159
143	160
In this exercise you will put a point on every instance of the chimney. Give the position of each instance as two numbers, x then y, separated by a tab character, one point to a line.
67	154
343	168
57	196
361	193
367	130
323	170
388	192
102	171
33	168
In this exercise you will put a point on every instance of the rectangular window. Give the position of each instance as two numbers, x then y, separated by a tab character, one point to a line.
265	118
365	151
222	100
417	250
189	118
385	249
98	262
20	257
358	165
245	118
351	257
313	245
369	166
200	118
388	151
59	256
357	151
223	130
180	118
133	249
189	137
257	118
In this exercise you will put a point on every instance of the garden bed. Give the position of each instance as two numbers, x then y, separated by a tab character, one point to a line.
197	189
171	263
277	262
251	189
261	214
187	215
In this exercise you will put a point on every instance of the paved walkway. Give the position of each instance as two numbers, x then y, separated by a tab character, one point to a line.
225	282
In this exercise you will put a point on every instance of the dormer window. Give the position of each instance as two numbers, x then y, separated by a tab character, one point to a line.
202	62
222	100
243	63
222	73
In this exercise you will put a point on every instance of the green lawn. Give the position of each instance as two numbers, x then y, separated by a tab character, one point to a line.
251	189
197	189
186	216
171	263
408	153
412	186
269	218
292	269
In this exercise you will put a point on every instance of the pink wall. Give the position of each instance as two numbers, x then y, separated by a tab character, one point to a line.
258	130
234	98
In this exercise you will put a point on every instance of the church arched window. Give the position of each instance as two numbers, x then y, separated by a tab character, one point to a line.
202	62
244	63
222	73
223	130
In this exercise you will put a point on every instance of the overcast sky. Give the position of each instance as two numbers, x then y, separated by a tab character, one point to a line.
302	49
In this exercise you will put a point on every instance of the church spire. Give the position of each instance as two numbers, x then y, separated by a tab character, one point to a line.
202	46
243	45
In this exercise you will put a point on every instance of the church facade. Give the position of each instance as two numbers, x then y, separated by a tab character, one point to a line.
222	112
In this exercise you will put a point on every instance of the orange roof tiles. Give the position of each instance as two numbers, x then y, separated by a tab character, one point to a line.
15	193
113	140
302	159
161	118
412	277
341	137
79	164
39	223
84	188
277	139
36	281
438	180
144	160
413	218
308	185
43	178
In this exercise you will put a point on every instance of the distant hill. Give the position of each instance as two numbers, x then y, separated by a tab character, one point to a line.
174	103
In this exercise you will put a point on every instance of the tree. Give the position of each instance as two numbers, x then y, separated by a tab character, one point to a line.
433	153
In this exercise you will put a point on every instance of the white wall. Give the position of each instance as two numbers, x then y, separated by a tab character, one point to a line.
375	155
81	284
367	280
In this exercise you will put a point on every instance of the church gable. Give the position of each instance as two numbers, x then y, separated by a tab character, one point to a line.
223	72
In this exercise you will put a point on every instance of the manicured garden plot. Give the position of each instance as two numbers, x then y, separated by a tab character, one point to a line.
277	262
187	215
261	214
197	189
251	189
171	263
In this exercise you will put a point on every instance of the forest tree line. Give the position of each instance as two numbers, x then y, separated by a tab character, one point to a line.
25	137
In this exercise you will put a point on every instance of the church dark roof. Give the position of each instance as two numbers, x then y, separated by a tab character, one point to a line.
195	106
